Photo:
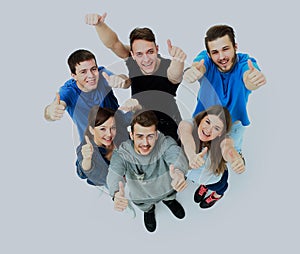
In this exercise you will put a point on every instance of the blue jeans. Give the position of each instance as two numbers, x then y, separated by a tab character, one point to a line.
221	186
237	134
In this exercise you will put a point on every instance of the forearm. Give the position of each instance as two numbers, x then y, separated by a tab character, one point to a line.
187	140
110	40
175	71
229	153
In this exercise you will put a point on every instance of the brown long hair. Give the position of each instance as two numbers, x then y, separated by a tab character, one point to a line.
218	164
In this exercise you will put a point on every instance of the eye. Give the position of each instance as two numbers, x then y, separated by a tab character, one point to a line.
94	68
138	54
151	51
207	121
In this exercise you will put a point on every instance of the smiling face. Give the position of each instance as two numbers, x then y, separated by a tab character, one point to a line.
86	75
144	138
145	54
105	133
222	52
210	127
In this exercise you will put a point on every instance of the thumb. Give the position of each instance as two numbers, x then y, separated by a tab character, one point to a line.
57	98
169	45
199	65
106	76
203	152
250	64
102	19
87	140
121	189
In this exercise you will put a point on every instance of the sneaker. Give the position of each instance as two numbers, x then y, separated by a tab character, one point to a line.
149	219
209	201
175	207
200	193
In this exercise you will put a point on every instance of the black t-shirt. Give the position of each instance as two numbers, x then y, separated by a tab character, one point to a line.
155	92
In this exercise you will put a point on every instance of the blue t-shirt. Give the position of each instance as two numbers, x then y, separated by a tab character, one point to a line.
225	88
79	103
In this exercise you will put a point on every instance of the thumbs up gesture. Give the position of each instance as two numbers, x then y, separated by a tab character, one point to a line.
253	78
195	72
117	81
94	18
178	182
198	159
87	149
120	202
56	109
176	53
236	161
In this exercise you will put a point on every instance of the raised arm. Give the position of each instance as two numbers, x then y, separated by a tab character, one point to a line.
175	70
107	36
185	132
195	72
232	156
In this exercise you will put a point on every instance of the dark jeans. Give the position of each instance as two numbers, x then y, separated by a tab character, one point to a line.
221	186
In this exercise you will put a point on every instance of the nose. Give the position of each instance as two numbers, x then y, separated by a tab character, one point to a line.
145	57
221	55
108	132
145	141
90	74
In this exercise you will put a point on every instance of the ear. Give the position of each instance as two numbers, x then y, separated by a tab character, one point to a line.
132	55
91	130
156	48
236	46
131	135
74	76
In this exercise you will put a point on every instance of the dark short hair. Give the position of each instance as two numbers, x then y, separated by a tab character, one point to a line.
219	31
144	118
79	56
141	34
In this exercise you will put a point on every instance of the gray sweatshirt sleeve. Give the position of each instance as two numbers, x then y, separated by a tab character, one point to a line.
174	155
116	171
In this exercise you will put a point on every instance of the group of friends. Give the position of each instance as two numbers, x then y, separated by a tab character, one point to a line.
144	145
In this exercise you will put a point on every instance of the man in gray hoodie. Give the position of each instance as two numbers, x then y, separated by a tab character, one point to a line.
154	167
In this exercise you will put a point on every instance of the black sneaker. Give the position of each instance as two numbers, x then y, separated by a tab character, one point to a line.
200	193
149	219
209	201
175	207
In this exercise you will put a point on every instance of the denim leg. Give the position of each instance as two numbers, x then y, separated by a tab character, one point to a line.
237	134
221	186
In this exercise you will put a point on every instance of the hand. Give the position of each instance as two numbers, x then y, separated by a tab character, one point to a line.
131	105
176	53
254	77
198	159
236	163
116	81
120	202
56	109
178	182
87	149
195	72
94	19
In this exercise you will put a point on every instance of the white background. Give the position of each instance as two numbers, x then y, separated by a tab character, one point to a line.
46	208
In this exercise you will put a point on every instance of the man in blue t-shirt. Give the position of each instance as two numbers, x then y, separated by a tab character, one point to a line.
86	89
226	78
